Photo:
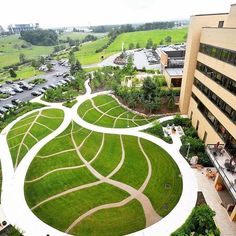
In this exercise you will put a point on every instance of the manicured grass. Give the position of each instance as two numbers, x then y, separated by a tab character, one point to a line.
110	155
163	189
109	113
10	49
165	186
62	212
135	169
111	222
141	37
70	104
28	131
86	55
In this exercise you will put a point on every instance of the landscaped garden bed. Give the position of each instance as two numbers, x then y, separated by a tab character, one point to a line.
75	198
105	111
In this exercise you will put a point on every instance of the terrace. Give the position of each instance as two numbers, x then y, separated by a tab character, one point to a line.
221	160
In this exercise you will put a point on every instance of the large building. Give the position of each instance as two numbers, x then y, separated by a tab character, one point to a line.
172	63
17	28
208	93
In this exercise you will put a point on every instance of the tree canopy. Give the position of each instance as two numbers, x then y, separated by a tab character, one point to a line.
40	37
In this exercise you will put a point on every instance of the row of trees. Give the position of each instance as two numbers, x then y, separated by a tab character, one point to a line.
40	37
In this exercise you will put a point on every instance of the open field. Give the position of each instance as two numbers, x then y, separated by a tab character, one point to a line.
10	49
105	111
31	129
82	203
24	72
141	37
86	54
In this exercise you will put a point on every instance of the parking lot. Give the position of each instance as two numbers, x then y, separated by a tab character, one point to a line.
26	95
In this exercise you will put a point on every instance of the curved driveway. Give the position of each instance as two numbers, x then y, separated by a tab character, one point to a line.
13	201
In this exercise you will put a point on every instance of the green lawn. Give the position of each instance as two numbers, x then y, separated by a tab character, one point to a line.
24	72
31	129
86	55
141	37
163	189
110	113
10	49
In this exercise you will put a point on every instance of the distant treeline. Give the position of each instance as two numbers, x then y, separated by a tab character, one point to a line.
40	37
131	28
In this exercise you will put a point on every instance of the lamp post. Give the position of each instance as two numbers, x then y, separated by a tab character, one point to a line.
188	150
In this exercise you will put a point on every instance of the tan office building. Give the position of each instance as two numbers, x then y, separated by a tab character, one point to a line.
208	92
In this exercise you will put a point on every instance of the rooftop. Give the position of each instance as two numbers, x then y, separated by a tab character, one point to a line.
174	71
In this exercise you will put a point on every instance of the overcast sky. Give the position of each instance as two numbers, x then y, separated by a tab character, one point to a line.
55	13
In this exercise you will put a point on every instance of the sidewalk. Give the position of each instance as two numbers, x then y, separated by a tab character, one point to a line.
223	222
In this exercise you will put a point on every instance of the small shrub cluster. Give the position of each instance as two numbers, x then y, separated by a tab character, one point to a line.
157	130
111	40
38	81
200	222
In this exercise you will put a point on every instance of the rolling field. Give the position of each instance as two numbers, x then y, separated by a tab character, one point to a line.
10	49
86	54
105	111
96	174
141	37
30	130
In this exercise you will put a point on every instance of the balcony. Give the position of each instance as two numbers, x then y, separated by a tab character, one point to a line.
220	158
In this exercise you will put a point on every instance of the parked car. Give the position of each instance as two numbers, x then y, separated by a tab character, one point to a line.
52	86
3	110
42	90
9	106
9	82
66	74
26	87
36	93
16	102
46	87
67	80
17	89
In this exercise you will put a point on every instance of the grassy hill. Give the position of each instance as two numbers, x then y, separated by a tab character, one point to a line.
87	53
141	37
11	47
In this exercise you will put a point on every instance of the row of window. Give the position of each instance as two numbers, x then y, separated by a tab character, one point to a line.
230	142
223	106
222	54
219	78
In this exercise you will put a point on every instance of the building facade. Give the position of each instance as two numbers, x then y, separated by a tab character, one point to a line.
172	63
17	28
208	92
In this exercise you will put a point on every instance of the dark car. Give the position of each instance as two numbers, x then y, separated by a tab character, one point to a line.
65	75
46	87
16	102
52	86
36	93
9	82
9	106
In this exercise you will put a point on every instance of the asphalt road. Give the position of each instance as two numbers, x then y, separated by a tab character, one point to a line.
26	94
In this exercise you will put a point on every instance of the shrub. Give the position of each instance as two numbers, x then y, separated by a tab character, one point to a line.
200	222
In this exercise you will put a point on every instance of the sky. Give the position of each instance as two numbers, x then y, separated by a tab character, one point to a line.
58	13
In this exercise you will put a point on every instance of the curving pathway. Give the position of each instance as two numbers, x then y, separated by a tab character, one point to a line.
18	213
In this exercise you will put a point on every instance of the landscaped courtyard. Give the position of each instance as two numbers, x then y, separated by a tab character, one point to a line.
105	111
86	182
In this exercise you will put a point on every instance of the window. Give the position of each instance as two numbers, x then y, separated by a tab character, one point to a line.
197	126
221	24
205	137
225	55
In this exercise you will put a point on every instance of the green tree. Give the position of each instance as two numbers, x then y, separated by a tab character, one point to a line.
42	60
137	45
185	36
161	42
22	58
72	58
168	39
149	44
128	69
149	89
12	73
49	66
154	47
75	67
131	46
35	63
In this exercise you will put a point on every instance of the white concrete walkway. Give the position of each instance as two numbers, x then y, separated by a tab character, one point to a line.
13	201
